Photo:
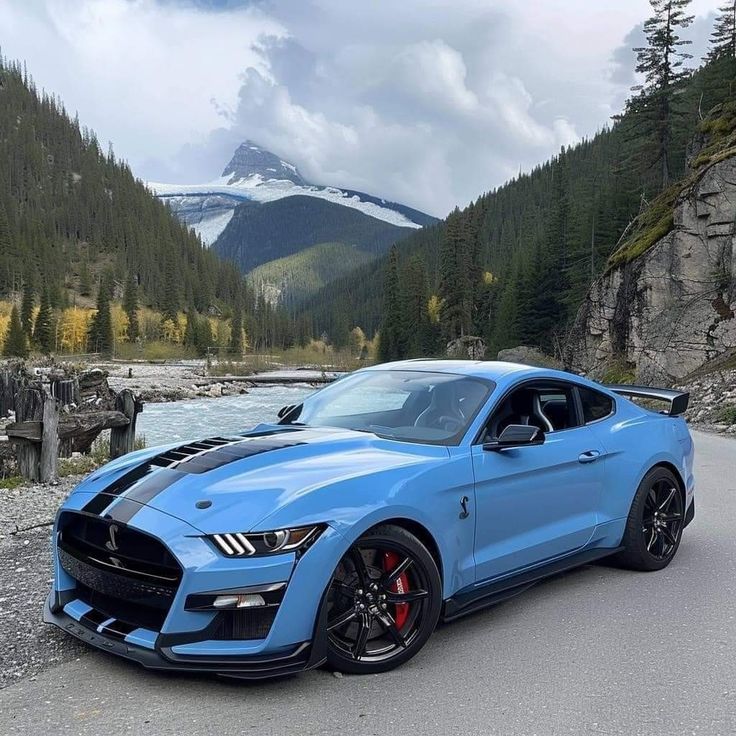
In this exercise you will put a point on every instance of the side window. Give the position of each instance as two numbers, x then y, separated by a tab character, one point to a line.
549	407
595	404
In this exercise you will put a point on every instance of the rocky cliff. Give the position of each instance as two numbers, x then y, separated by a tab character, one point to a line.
666	304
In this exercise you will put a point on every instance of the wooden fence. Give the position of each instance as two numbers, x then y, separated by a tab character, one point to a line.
49	424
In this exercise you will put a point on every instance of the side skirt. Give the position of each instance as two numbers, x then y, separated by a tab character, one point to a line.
469	601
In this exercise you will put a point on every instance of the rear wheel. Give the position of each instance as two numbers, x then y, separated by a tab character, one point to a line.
383	602
655	523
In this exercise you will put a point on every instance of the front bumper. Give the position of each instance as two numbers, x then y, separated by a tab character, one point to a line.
187	638
304	656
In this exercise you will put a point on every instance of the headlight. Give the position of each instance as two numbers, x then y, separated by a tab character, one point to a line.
267	543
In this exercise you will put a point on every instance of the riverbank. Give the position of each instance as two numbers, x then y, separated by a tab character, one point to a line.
164	382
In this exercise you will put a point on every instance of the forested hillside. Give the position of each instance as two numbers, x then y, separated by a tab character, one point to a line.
288	281
262	232
97	259
67	206
515	264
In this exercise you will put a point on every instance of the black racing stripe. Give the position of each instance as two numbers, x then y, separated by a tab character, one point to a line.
123	511
92	619
103	499
118	629
153	485
146	481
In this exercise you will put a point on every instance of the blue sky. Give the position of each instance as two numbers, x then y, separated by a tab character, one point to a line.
427	102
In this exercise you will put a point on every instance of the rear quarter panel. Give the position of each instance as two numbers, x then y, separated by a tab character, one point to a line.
635	440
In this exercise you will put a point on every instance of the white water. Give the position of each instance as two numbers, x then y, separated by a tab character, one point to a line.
198	418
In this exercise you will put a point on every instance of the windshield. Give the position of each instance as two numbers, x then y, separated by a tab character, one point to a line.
413	406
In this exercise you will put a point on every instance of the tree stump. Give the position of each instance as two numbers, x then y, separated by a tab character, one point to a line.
122	439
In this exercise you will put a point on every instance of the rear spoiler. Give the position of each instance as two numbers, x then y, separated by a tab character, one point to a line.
677	400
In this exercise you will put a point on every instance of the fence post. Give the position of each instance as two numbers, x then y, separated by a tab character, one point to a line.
29	403
122	439
49	460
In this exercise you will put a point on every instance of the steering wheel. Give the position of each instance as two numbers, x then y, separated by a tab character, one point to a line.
449	424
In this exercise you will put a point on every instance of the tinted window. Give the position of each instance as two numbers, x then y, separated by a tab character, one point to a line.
413	406
549	408
595	405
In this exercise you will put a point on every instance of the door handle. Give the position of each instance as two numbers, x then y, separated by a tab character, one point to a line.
589	456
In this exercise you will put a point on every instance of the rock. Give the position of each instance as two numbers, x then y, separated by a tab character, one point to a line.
529	356
467	346
672	309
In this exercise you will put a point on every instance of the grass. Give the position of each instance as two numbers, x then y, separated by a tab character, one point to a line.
316	356
650	226
98	455
12	481
620	373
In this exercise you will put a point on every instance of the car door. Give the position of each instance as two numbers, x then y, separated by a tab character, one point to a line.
539	502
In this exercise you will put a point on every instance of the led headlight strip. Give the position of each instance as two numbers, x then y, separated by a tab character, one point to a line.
238	544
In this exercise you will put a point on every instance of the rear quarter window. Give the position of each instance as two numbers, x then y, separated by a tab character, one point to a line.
595	404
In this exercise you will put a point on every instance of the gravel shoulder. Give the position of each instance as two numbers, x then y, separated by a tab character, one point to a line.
28	645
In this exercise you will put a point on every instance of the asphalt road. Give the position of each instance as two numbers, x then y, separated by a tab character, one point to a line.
596	651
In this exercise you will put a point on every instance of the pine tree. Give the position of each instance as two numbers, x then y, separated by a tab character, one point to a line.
27	305
16	342
43	331
723	38
130	306
415	318
661	62
101	338
191	330
85	279
236	328
390	345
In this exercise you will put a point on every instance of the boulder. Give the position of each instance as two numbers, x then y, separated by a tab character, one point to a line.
529	356
467	346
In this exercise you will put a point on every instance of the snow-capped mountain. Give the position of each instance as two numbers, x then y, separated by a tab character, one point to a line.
259	176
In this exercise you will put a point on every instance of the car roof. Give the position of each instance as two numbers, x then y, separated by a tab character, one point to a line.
491	369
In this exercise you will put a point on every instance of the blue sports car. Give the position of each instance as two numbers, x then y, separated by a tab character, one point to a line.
398	496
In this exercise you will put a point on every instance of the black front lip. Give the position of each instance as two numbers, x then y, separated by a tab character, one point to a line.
302	657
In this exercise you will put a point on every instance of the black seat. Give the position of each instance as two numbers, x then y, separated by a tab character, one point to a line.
443	411
522	407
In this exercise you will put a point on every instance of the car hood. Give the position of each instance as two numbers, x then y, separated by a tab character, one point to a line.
231	484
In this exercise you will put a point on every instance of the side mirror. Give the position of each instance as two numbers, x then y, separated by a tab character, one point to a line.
284	410
515	435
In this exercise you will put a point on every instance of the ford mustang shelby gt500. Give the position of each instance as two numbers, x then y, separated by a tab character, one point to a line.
397	496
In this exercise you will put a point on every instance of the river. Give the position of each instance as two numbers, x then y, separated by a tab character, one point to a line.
197	418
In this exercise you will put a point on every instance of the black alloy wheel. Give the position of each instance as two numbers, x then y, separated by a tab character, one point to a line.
655	523
662	520
383	602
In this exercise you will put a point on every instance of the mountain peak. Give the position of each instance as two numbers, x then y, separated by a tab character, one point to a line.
249	159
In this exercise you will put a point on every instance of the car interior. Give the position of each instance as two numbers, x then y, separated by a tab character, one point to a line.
549	408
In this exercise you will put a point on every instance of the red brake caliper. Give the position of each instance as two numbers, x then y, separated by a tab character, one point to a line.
390	560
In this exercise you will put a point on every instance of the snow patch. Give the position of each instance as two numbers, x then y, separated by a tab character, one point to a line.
257	189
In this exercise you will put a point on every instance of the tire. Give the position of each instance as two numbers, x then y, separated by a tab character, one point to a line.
384	601
655	523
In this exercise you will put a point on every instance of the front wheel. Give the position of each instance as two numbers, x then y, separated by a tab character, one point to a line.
655	523
383	602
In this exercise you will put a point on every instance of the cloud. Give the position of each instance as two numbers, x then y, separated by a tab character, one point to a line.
427	102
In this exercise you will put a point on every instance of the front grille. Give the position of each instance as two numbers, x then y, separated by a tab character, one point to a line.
125	573
249	624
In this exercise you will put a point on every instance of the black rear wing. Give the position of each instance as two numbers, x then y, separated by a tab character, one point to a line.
678	400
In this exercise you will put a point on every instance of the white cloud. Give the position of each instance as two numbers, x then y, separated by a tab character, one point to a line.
428	102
